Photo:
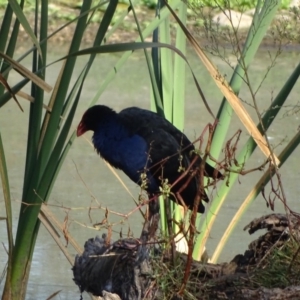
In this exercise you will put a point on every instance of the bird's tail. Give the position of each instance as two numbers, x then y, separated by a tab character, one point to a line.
212	172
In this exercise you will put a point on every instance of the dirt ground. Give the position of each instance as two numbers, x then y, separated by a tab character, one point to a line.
287	34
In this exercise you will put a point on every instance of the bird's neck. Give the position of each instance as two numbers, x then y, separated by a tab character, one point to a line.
109	134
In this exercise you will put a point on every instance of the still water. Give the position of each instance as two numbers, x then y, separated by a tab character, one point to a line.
85	181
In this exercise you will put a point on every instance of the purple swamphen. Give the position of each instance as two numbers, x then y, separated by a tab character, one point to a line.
141	142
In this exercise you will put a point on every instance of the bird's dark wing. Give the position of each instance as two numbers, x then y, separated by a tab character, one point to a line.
144	123
169	146
163	153
167	161
169	151
163	138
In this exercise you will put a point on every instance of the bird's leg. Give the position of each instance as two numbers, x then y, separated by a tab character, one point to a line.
153	214
153	205
152	217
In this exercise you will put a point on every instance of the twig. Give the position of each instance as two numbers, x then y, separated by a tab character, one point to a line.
192	231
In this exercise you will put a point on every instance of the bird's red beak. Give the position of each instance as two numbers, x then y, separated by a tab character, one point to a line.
81	129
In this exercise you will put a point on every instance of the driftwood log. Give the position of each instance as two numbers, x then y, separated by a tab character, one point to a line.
121	267
279	229
124	267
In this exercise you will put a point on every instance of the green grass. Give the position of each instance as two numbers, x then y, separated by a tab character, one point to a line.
280	268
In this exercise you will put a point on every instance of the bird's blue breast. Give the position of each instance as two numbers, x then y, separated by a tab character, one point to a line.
124	151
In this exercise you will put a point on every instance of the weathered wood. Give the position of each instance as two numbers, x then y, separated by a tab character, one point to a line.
279	230
292	292
124	267
121	267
